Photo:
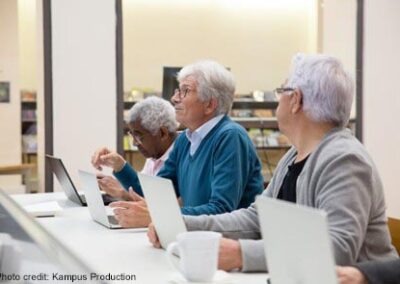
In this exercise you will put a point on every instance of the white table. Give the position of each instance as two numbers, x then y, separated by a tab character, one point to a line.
112	251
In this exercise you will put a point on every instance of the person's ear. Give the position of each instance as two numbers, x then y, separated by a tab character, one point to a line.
164	132
296	101
211	106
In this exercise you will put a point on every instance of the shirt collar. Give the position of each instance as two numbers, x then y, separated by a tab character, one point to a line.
204	129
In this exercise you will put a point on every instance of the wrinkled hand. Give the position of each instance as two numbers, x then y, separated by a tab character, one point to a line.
152	235
111	186
230	255
132	214
350	275
108	158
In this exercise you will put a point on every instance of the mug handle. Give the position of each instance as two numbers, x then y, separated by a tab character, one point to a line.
172	259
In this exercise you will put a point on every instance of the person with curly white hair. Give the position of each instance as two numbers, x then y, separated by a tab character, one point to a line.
153	130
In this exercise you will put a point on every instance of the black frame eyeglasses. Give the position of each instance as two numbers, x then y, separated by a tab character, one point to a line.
182	93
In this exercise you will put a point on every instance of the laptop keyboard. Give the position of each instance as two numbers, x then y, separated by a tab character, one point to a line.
107	199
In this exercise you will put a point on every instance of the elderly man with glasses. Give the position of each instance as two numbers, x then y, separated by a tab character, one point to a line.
153	130
214	165
327	168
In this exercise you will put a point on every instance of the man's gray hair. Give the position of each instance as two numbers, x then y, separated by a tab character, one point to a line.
153	113
213	81
327	88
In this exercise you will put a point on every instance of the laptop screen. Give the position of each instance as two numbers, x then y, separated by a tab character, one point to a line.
58	168
296	242
27	249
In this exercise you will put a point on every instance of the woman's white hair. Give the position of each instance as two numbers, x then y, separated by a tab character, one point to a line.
154	113
327	88
213	81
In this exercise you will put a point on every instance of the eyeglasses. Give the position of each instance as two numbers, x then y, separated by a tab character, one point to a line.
279	92
182	93
137	138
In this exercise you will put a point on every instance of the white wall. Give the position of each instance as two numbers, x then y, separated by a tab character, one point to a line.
382	94
39	71
27	43
84	79
10	128
339	20
255	38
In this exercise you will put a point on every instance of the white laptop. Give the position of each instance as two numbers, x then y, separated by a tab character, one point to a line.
297	244
164	209
95	202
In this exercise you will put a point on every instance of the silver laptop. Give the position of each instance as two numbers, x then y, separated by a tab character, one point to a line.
95	201
297	244
58	168
164	209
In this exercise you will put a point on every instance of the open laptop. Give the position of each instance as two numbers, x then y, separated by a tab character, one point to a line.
58	168
95	202
164	209
296	242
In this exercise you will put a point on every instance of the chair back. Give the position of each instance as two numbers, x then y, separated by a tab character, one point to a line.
394	228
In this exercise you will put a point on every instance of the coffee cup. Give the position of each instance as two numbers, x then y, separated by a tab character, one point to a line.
198	251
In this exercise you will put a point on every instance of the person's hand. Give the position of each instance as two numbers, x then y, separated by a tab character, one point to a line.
111	186
350	275
108	158
230	255
132	214
152	235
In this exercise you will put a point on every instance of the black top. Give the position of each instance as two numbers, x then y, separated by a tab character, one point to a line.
288	188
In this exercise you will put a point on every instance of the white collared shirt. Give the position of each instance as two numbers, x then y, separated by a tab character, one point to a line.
153	166
198	135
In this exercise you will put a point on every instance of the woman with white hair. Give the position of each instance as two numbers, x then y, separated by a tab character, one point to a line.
327	168
214	165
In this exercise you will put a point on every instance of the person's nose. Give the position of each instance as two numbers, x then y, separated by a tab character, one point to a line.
175	98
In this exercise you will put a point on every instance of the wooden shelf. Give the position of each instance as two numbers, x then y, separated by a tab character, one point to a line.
257	122
28	104
254	105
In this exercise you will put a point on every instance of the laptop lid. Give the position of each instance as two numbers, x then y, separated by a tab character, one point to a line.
164	209
94	200
296	242
27	248
58	168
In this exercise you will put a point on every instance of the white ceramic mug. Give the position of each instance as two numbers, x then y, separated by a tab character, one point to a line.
198	251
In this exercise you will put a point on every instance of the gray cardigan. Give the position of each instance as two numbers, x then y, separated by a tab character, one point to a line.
340	178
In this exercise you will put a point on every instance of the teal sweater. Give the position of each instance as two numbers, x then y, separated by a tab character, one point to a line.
224	174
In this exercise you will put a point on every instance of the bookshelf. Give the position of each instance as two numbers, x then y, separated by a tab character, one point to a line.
28	127
29	137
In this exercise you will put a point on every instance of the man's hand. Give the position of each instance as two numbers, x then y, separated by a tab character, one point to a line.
108	158
350	275
112	187
152	235
230	255
132	214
